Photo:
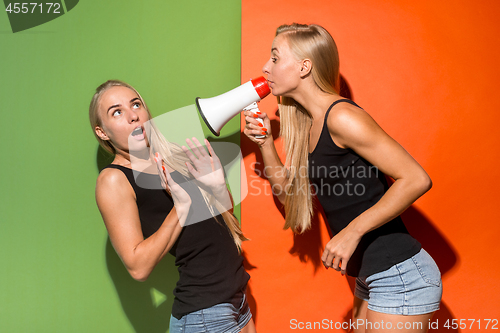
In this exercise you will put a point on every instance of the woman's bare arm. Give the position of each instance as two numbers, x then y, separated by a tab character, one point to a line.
351	127
116	201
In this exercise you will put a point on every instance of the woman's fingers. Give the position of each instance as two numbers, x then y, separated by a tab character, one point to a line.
344	266
252	122
189	154
200	157
167	182
330	257
336	264
252	117
170	180
211	150
256	129
335	261
213	155
196	147
327	258
253	127
197	153
192	170
161	170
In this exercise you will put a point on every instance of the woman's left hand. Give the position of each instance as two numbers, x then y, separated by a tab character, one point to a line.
339	249
205	167
182	200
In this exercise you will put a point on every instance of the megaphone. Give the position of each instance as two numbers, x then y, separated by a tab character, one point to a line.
218	110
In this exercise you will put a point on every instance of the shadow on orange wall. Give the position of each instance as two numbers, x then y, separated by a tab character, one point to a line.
441	251
252	302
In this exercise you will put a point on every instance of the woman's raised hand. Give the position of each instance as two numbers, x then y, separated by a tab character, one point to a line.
253	127
206	166
182	200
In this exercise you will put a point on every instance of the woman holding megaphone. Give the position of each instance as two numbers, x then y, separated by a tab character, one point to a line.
345	156
188	214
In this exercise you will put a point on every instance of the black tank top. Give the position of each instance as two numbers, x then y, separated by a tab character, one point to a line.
210	268
346	185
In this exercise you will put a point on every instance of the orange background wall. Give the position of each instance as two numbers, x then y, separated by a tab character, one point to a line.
428	72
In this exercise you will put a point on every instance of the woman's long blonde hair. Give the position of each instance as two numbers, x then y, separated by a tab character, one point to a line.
311	42
171	153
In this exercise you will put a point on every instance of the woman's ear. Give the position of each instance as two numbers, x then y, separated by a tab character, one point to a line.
306	67
101	134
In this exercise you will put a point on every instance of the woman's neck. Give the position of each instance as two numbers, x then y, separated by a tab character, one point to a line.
313	99
120	159
137	164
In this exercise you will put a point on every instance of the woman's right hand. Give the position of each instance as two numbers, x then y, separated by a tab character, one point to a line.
253	127
182	200
274	169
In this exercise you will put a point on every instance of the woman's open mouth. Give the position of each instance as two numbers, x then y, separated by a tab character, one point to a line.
138	133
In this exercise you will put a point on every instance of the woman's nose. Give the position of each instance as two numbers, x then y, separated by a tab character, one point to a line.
133	116
265	69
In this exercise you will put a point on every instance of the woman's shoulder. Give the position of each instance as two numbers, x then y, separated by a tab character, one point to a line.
111	178
344	111
348	122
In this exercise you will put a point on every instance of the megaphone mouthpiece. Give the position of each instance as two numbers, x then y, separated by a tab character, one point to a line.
261	87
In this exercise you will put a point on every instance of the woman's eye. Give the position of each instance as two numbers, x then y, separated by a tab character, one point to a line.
117	113
274	59
136	105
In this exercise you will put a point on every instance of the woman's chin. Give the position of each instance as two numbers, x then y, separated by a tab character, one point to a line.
275	92
137	145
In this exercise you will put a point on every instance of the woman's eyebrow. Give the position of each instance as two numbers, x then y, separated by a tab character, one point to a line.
117	105
114	106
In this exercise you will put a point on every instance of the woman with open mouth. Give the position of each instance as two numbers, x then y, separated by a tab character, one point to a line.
189	214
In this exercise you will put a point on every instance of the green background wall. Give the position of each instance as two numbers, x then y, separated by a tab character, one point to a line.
59	272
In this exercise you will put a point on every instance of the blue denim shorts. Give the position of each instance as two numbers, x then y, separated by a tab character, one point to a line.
412	287
221	318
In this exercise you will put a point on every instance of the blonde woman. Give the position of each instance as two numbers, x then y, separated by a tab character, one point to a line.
144	223
337	151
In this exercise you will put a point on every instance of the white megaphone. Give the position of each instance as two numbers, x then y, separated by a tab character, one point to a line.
218	110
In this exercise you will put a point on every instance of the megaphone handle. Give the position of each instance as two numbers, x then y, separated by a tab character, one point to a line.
254	108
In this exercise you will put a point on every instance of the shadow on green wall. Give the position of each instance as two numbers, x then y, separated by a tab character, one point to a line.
103	158
148	304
